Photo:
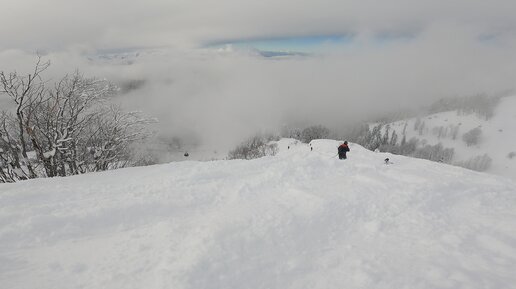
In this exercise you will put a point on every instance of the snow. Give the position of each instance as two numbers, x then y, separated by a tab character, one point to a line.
498	137
301	219
32	155
49	153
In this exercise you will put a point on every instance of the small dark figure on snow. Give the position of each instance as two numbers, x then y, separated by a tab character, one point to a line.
386	161
186	154
311	148
343	149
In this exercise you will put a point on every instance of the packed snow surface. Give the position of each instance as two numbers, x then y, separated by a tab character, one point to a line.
301	219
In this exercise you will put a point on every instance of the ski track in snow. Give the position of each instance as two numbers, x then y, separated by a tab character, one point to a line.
301	219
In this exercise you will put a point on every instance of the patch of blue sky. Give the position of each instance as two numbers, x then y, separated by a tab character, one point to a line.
491	39
305	44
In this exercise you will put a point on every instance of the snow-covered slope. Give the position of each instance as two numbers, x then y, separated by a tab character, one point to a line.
497	139
301	219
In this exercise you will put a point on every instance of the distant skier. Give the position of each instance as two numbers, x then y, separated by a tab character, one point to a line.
343	149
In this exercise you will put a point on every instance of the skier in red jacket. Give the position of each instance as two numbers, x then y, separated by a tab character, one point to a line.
343	149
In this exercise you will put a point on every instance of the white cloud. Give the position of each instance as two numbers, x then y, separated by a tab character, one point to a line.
59	24
456	47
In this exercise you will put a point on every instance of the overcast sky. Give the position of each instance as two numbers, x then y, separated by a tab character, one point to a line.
367	56
61	24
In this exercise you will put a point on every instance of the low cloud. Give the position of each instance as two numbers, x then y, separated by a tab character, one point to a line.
403	54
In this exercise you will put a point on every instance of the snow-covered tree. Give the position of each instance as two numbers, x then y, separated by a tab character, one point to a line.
314	132
394	138
54	129
421	128
373	140
403	140
385	138
291	132
255	147
24	91
110	138
436	153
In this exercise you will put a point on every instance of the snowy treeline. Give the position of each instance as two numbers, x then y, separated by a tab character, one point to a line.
255	147
391	142
380	137
65	128
482	105
450	131
314	132
478	163
306	134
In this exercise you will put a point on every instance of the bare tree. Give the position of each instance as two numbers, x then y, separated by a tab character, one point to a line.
110	138
314	132
478	163
472	137
255	147
68	128
24	91
8	151
62	119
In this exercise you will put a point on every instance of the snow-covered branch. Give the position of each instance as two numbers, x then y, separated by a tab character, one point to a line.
67	128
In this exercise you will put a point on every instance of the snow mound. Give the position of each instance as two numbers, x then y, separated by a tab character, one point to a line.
301	219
